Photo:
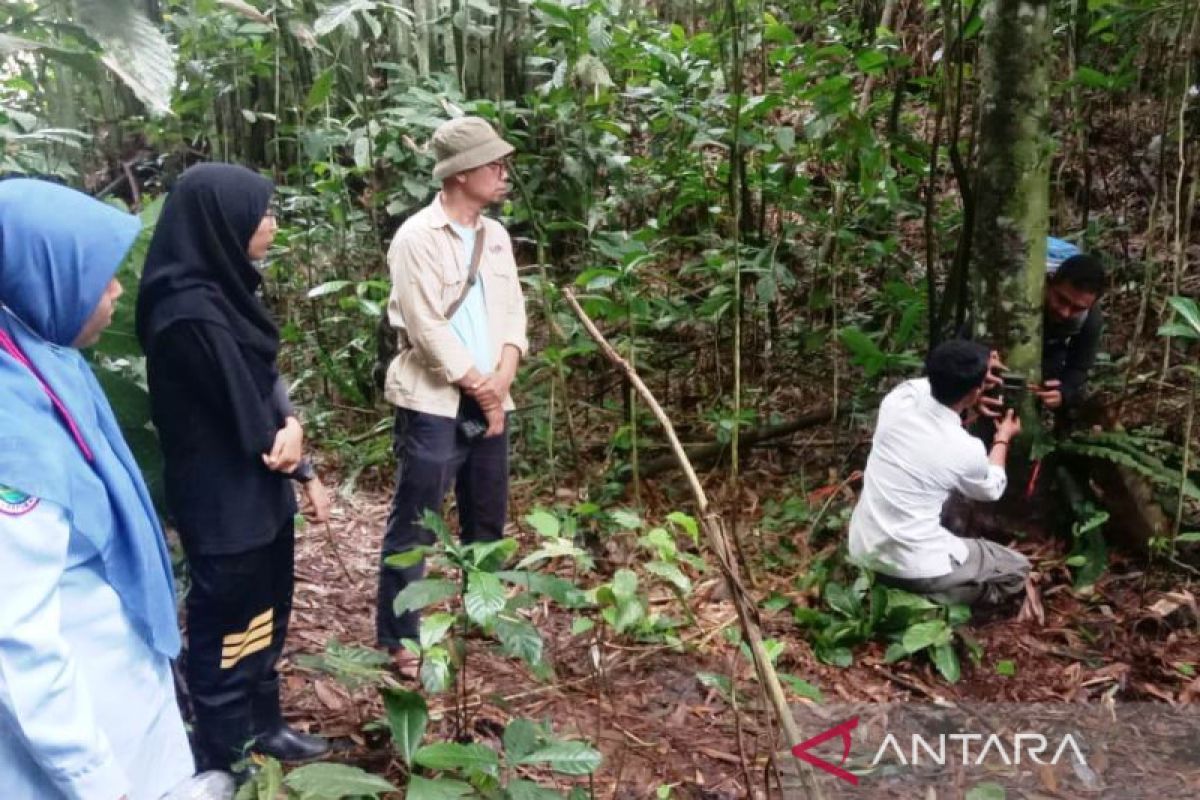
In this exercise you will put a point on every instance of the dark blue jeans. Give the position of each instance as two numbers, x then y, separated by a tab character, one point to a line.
431	457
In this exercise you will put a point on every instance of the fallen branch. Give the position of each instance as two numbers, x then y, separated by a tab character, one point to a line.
714	532
699	454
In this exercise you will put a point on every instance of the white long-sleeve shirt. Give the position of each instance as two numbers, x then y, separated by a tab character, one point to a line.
919	455
87	708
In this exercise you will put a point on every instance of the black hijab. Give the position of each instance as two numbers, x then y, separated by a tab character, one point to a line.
198	269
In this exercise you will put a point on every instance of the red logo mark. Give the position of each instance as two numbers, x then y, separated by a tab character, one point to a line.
843	729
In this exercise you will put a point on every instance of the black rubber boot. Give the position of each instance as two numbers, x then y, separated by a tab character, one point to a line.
274	737
220	741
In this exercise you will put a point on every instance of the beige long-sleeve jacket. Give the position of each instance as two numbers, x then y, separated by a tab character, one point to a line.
429	273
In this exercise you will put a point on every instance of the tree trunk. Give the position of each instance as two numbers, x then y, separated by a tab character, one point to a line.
1013	181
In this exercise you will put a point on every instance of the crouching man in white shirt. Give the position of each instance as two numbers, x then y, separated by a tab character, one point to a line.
919	455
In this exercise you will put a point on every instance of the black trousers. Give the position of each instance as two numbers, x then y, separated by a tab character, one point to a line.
432	456
237	620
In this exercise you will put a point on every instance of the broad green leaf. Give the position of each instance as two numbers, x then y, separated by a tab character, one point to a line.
520	639
1190	536
658	539
925	634
569	758
407	716
454	756
521	738
1187	308
334	782
946	661
434	627
545	523
427	592
441	789
687	522
1092	78
485	597
435	670
320	90
870	61
560	590
528	790
842	600
670	573
1178	330
1006	667
135	49
625	584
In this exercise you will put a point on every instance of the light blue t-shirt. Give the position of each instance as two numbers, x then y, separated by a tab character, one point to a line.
470	321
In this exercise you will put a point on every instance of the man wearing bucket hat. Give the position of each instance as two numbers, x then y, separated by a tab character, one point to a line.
459	316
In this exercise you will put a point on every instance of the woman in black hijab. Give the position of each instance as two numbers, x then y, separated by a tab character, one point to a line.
231	444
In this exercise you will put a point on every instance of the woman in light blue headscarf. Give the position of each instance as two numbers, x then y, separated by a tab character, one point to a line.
87	604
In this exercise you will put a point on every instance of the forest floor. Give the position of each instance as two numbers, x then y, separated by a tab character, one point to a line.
1134	638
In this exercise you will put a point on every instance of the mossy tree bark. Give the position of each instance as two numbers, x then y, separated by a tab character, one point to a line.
1012	185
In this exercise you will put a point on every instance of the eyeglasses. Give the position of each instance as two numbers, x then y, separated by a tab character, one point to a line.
500	166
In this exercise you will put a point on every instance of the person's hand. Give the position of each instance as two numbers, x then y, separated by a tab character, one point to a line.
317	500
288	449
495	420
995	367
1050	393
490	391
990	407
1008	427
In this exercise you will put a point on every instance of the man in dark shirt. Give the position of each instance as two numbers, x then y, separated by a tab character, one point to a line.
1071	331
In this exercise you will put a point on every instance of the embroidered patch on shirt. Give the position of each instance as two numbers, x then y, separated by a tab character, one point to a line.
14	503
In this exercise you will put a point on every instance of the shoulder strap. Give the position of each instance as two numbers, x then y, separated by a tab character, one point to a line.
472	272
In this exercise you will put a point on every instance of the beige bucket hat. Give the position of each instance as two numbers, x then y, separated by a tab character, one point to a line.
466	143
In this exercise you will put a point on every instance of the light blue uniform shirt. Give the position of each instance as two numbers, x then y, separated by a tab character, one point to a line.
470	321
87	708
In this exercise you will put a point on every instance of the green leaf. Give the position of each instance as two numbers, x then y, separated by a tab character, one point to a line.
329	287
434	627
626	519
545	523
1178	330
134	48
407	716
521	738
670	573
320	90
1006	667
986	791
560	590
435	670
946	661
335	781
267	783
687	522
569	758
625	584
441	789
1187	308
406	558
801	687
520	639
1190	536
423	593
485	597
870	61
582	625
528	790
1094	79
454	756
842	600
340	14
925	634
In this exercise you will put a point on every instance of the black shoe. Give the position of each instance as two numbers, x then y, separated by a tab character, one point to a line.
289	744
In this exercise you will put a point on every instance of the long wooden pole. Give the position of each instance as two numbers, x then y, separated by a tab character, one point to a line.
714	533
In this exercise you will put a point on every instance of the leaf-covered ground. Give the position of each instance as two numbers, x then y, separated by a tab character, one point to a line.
658	724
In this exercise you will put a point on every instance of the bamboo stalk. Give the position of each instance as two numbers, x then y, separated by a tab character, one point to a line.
718	542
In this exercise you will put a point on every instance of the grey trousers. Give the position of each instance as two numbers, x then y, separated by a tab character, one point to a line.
991	574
